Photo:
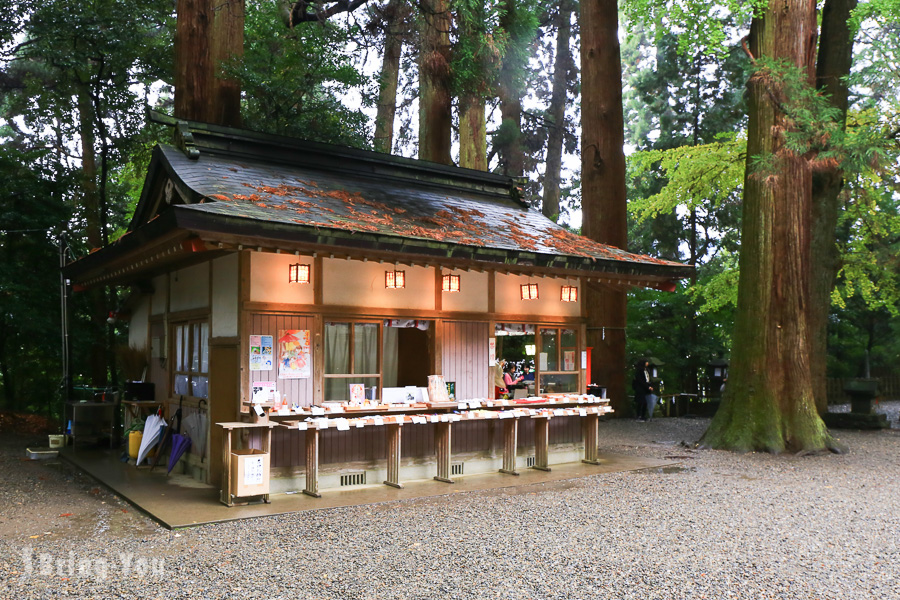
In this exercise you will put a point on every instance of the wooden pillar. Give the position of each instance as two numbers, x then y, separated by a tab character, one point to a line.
312	463
393	457
226	469
591	440
510	442
542	443
442	450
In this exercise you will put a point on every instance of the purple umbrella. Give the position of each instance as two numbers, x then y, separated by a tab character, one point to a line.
180	444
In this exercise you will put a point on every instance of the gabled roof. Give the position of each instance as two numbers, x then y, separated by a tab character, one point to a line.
232	188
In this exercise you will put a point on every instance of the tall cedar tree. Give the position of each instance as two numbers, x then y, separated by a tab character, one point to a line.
603	186
435	119
768	404
556	113
392	17
832	70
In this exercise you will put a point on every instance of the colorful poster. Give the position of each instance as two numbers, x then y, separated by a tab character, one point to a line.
261	353
568	360
294	359
256	360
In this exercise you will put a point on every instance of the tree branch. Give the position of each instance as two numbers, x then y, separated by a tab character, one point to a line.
306	11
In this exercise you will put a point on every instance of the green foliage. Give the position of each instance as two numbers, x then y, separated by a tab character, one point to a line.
704	177
700	25
292	79
66	70
479	43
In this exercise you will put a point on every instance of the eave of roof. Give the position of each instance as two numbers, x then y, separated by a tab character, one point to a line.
246	189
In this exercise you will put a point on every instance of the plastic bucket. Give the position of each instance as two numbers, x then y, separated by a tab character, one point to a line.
134	443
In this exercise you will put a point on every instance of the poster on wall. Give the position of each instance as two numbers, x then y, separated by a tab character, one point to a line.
492	352
568	360
294	360
262	391
261	353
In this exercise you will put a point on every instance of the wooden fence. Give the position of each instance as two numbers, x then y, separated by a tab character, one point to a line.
888	389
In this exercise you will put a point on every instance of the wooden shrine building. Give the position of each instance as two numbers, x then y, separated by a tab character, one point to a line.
312	273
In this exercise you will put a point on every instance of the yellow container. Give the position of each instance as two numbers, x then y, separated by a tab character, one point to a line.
134	443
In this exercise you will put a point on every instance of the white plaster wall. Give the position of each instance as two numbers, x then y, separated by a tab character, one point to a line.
225	296
508	297
160	293
357	283
190	288
472	295
269	279
139	323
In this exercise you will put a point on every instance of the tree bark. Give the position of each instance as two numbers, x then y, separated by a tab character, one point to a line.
832	66
472	133
226	43
768	404
394	15
557	112
207	33
435	119
603	187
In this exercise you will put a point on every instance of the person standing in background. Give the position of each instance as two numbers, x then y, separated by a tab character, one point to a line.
642	389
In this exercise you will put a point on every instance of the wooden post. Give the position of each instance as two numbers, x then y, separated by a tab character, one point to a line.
312	463
510	441
442	449
542	443
591	440
393	457
226	471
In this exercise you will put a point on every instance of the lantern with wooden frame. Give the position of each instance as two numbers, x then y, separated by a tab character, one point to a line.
529	291
394	280
450	283
568	293
298	273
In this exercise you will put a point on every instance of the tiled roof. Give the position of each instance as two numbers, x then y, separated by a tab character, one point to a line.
359	202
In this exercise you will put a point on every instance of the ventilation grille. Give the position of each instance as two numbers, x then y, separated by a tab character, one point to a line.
529	461
353	479
456	469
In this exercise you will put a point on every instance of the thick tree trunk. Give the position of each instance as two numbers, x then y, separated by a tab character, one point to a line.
207	33
472	133
394	15
193	59
226	43
768	403
435	119
832	65
603	187
557	112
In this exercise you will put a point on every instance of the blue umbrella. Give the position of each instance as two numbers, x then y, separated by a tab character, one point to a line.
180	445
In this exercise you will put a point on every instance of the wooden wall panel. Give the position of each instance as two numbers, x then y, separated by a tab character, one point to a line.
465	357
298	391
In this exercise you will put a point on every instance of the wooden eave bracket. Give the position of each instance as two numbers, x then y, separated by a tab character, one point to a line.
184	141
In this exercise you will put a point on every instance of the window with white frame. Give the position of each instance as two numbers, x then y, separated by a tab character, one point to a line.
191	369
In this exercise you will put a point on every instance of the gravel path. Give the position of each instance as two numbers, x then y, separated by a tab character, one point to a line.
718	525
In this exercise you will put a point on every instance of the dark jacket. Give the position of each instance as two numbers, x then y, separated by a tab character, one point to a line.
641	382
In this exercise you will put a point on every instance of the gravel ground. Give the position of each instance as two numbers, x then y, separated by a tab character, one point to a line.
718	525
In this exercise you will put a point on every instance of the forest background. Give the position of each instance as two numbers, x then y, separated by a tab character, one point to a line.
75	141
